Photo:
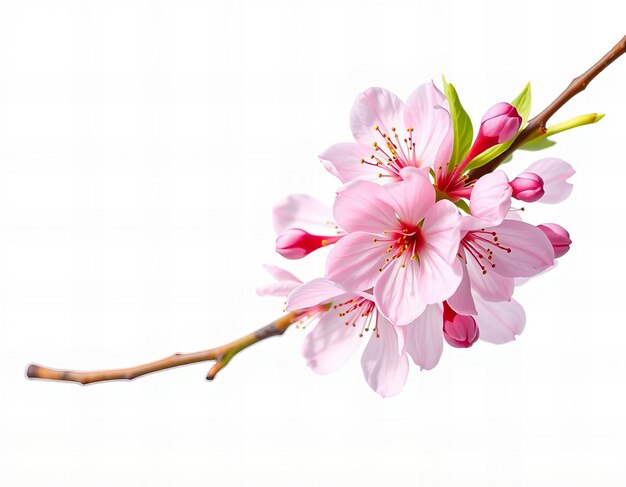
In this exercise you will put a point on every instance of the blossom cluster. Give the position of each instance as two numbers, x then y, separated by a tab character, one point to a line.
422	253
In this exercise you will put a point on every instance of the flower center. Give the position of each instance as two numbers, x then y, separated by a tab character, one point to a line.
403	244
480	244
398	152
358	311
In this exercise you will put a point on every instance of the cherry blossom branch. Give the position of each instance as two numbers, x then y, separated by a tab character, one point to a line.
221	355
537	126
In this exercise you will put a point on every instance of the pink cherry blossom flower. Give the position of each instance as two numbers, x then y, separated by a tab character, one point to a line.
400	242
494	256
303	225
339	332
494	250
391	135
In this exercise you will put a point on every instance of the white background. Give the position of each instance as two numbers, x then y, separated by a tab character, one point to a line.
142	146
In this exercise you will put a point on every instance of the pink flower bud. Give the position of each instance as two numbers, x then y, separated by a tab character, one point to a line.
459	331
527	187
499	124
558	236
295	243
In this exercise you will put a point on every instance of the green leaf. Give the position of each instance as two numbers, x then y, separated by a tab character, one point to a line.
462	125
522	103
538	144
542	142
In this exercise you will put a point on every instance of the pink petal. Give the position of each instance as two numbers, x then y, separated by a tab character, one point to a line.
313	293
491	286
305	212
384	368
424	340
280	274
363	206
330	344
490	200
554	173
531	251
287	282
441	230
280	289
353	262
412	197
437	279
461	301
499	322
344	161
375	107
396	293
426	112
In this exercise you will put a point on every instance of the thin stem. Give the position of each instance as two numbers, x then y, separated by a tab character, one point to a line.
221	355
537	126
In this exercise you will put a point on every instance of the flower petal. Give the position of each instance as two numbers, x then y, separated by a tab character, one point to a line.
280	288
344	161
424	340
461	301
441	230
530	250
375	107
554	173
384	368
287	282
412	197
363	206
499	322
330	344
313	293
304	212
490	200
280	274
396	293
491	286
437	279
353	262
426	112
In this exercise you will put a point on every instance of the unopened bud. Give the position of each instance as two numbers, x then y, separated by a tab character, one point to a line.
498	125
295	243
527	187
558	236
460	331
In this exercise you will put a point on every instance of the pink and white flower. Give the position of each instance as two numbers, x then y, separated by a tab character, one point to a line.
391	135
339	332
400	242
495	250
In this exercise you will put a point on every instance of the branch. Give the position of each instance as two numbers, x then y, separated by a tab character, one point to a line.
537	126
221	355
